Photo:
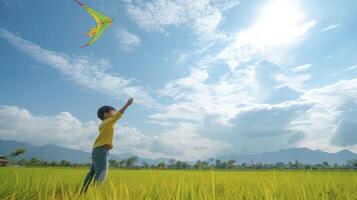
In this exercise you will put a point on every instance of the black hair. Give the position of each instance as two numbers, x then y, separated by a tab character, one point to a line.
102	110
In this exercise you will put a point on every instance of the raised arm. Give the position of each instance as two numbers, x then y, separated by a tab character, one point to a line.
119	113
128	103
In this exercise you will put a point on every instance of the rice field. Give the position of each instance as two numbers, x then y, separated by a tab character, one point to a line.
64	183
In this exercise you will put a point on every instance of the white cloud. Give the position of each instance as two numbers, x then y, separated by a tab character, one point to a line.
184	142
127	41
258	128
64	129
260	104
203	16
180	141
87	72
301	68
350	68
193	99
281	23
331	105
197	96
330	27
321	118
181	58
345	132
295	82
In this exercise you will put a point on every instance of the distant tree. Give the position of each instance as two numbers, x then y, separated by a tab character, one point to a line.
204	165
145	164
290	165
182	165
198	164
259	165
230	164
268	166
178	165
211	162
218	164
130	162
53	163
185	165
223	165
352	163
65	163
17	152
34	161
307	166
122	163
325	164
113	163
161	165
296	164
171	163
22	162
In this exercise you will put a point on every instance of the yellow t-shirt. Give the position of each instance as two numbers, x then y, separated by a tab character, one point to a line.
106	132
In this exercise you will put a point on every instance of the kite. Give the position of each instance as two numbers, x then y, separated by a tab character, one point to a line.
103	23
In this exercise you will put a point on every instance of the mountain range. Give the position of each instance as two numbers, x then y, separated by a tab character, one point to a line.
57	153
52	152
303	155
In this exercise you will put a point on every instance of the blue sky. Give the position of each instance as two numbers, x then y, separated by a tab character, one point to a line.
208	77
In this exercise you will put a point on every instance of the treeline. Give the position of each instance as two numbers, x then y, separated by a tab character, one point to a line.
41	162
132	162
11	158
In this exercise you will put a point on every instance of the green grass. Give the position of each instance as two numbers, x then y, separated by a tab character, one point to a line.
62	183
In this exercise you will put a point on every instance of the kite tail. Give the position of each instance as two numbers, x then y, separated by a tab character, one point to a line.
81	4
85	45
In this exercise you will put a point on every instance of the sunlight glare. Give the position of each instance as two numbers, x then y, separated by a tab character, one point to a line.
279	23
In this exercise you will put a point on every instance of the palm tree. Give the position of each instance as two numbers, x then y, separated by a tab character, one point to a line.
15	153
130	162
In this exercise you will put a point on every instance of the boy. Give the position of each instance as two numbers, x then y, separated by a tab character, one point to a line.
103	143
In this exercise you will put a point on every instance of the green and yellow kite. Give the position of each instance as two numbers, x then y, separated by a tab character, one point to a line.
103	22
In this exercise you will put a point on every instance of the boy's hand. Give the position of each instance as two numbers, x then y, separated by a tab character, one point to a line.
130	101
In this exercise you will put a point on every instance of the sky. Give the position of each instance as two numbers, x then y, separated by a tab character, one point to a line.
208	77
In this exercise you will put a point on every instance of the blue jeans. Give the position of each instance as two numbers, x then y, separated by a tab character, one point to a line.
99	167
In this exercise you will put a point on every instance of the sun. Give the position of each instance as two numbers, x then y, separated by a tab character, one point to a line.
279	23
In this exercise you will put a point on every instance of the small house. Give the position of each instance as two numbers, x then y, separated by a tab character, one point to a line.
3	161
